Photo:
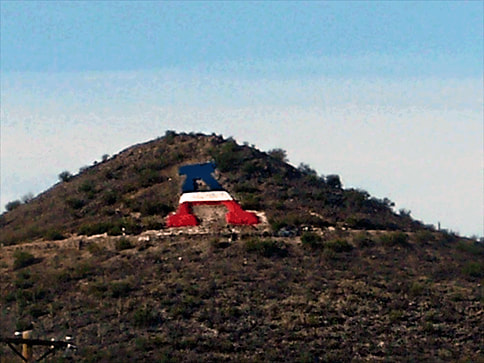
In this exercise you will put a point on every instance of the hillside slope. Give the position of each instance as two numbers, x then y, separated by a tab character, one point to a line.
136	189
335	275
381	296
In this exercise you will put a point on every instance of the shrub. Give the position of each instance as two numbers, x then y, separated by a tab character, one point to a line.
474	248
149	177
94	248
338	245
123	244
278	154
152	208
119	289
416	289
363	240
86	186
75	203
311	239
22	259
473	269
110	198
266	248
333	181
424	236
394	239
53	235
27	198
146	317
306	169
10	206
65	176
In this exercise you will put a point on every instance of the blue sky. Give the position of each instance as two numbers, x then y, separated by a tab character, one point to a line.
387	94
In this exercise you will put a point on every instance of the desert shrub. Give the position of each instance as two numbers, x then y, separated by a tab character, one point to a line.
394	239
251	201
149	177
27	198
246	187
306	169
75	203
65	176
363	240
94	248
111	228
24	280
311	239
278	154
360	223
226	156
87	186
333	181
123	244
152	223
416	289
473	269
472	247
249	168
170	136
10	206
216	243
22	259
424	236
119	289
146	317
90	229
151	208
111	197
266	248
53	235
97	289
338	245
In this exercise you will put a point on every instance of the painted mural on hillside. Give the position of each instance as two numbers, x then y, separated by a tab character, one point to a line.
212	194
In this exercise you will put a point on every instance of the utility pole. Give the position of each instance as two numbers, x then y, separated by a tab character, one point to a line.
27	351
27	344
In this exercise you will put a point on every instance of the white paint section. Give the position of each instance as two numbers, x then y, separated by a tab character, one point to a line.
217	196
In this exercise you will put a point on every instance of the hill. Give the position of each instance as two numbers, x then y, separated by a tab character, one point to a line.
334	276
137	188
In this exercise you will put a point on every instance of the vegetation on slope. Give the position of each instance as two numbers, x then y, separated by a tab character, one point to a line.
136	189
343	296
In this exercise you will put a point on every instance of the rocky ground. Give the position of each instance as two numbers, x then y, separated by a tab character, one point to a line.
343	296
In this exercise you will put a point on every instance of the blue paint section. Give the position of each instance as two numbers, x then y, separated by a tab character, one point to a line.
198	172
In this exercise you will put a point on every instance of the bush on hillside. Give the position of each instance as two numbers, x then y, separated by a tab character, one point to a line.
394	239
123	244
338	245
311	239
10	206
334	181
22	259
65	176
266	248
278	154
53	235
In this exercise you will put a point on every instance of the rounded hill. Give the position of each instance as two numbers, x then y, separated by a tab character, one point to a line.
136	189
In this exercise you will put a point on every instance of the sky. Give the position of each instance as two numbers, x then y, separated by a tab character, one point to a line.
389	95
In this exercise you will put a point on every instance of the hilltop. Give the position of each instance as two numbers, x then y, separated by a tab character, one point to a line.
330	275
137	188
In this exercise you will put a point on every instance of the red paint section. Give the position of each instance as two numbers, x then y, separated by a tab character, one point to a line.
183	217
235	215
